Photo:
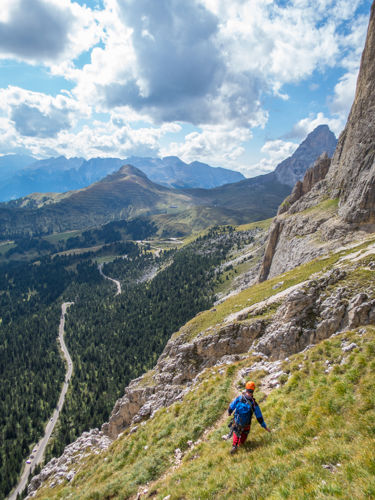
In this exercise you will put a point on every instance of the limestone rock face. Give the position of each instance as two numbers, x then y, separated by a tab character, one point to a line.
176	370
352	175
335	203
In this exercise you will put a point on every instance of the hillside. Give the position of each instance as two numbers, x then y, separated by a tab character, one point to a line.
305	333
124	194
179	451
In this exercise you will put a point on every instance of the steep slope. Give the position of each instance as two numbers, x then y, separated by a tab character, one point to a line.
124	194
167	428
335	204
259	197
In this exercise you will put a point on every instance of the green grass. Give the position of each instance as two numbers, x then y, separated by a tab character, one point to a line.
262	224
318	419
329	205
135	459
262	291
56	237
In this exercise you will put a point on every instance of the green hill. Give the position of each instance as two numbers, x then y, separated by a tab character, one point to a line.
122	195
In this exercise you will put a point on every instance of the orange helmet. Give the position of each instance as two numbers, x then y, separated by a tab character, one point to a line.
250	386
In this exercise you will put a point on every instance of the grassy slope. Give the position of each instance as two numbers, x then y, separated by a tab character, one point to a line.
319	419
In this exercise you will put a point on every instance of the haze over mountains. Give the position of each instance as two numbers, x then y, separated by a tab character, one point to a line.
24	175
128	192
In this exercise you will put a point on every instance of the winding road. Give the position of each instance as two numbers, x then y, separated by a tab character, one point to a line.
118	284
37	454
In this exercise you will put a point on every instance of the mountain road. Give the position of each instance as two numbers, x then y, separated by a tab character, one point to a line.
37	455
117	283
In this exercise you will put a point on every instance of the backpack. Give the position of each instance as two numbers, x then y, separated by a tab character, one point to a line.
244	411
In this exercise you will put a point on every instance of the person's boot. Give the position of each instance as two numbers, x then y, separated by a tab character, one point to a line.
233	450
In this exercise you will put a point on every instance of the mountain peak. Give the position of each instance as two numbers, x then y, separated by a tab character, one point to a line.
320	140
124	172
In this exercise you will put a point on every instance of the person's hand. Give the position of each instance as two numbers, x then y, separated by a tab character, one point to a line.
267	429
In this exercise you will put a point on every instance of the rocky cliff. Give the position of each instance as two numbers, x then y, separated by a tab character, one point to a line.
335	202
352	175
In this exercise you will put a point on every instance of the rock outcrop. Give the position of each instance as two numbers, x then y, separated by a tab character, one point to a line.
312	176
65	467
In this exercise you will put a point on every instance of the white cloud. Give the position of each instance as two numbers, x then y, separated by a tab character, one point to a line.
217	145
275	152
211	63
343	97
35	114
46	31
308	124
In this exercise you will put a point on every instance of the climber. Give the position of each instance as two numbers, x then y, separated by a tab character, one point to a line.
243	407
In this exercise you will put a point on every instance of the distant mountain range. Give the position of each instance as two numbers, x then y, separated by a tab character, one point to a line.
24	175
259	197
128	193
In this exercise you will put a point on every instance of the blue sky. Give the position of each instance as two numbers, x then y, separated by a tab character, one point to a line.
237	84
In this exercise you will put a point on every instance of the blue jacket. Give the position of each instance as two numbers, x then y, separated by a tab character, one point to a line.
255	406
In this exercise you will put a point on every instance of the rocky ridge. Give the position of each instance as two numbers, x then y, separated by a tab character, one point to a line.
292	169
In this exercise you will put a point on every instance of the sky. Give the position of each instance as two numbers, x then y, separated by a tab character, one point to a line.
237	84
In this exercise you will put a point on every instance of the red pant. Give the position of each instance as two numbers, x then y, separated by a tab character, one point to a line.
238	440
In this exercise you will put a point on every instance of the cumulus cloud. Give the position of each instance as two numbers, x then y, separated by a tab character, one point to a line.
275	152
211	63
30	121
308	124
217	144
33	114
179	68
46	31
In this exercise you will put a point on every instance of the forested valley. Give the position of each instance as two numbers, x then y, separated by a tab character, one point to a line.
112	339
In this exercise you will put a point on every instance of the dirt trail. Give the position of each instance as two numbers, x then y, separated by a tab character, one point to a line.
37	454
